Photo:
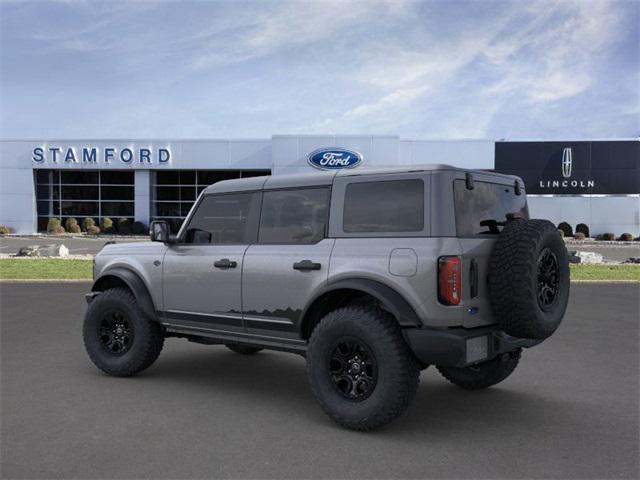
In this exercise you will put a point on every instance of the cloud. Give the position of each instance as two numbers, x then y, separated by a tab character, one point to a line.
435	69
286	25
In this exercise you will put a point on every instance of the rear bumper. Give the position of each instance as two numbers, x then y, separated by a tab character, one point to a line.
461	347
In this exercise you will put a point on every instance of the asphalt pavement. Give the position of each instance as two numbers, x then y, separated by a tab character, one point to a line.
569	411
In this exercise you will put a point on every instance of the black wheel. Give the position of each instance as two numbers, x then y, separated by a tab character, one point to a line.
484	374
118	337
360	369
243	349
529	279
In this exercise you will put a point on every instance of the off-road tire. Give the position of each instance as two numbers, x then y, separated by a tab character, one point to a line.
243	349
484	374
398	370
148	336
514	278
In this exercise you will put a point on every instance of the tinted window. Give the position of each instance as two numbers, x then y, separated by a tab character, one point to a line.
221	219
294	216
487	203
388	206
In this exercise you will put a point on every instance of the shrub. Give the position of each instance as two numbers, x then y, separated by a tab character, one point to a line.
583	228
107	225
5	230
88	222
608	236
138	228
561	233
93	230
566	228
53	224
579	236
71	225
57	230
123	226
626	237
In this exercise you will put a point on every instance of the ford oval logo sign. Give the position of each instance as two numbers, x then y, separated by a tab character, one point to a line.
334	158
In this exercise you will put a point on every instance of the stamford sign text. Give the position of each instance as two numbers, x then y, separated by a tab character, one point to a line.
108	155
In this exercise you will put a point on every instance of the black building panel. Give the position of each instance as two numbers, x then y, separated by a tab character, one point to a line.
583	167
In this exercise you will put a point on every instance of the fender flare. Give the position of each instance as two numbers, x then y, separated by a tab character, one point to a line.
387	296
135	284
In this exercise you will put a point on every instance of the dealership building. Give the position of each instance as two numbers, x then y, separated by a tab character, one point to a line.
596	182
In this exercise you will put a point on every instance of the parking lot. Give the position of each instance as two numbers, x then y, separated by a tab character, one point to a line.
569	411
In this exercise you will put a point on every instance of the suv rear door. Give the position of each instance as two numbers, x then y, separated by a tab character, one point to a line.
289	262
480	212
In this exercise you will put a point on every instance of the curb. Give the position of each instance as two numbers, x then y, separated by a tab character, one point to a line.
87	280
45	280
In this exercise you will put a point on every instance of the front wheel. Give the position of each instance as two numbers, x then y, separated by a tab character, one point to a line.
118	337
483	375
360	368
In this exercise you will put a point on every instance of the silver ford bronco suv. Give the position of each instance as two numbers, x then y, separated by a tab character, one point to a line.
372	275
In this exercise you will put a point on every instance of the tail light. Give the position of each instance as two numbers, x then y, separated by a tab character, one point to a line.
449	289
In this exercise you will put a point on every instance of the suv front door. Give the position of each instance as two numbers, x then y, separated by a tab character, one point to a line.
202	272
289	262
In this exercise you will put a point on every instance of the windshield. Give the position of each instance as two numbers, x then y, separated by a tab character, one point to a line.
483	210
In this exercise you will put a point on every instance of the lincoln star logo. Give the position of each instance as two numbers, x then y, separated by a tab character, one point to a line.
334	158
567	167
567	160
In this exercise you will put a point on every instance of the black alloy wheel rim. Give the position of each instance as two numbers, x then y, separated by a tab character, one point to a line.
547	278
353	369
115	332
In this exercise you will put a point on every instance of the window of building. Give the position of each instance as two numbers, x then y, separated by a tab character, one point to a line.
80	194
221	219
294	216
384	206
175	191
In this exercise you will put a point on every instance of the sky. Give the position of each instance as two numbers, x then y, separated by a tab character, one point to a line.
420	70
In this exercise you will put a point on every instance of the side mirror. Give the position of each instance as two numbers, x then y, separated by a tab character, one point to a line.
159	231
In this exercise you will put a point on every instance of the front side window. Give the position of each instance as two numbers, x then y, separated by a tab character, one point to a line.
384	206
221	219
294	216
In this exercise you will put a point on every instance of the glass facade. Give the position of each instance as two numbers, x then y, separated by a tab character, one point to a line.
80	194
175	191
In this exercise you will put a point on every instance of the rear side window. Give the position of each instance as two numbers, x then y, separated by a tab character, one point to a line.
484	209
221	219
294	216
384	206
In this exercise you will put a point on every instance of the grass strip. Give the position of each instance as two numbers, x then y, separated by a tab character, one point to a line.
605	272
37	269
49	268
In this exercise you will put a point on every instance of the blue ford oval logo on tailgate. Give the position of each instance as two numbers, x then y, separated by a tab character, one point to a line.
334	158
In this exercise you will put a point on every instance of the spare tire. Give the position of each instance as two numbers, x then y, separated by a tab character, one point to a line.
529	278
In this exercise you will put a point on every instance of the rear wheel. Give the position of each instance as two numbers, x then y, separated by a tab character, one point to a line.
118	337
483	375
359	367
243	349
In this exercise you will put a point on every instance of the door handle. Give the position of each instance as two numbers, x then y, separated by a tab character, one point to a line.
473	278
306	265
225	263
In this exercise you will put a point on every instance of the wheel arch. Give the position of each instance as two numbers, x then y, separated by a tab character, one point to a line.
338	294
120	277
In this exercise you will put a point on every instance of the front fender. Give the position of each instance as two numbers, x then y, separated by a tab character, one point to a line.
116	275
